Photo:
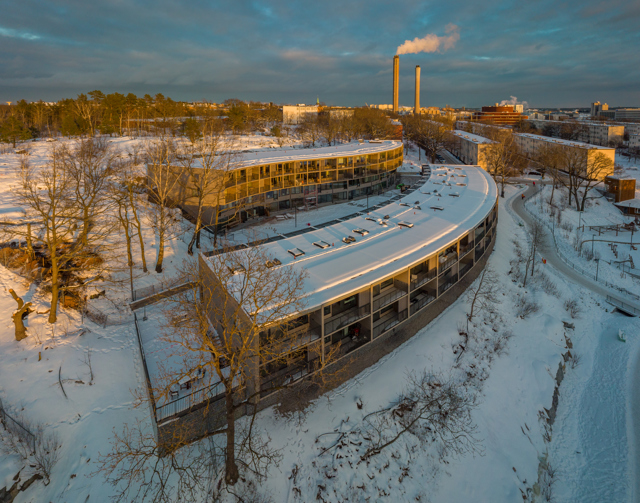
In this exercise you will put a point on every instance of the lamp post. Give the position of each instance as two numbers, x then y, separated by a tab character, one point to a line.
597	267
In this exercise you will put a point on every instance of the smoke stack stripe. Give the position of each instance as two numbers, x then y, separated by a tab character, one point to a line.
416	104
396	75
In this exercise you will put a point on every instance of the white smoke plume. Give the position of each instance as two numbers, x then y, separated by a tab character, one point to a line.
431	42
514	101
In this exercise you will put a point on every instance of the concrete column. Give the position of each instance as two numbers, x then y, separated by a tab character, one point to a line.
416	102
396	75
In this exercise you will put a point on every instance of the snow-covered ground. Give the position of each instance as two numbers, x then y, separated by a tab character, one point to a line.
512	387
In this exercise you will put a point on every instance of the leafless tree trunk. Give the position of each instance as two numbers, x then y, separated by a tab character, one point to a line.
484	294
23	308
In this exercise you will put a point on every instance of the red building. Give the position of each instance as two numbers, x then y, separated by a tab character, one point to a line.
504	115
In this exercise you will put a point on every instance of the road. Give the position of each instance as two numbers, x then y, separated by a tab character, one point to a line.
605	431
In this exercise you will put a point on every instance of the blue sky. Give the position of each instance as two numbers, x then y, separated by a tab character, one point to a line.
549	53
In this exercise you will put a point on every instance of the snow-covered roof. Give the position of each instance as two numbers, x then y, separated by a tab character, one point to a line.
629	203
559	141
472	137
343	268
247	159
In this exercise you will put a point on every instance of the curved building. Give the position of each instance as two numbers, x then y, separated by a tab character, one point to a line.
263	182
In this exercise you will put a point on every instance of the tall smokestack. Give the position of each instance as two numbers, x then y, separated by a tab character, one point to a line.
396	75
416	101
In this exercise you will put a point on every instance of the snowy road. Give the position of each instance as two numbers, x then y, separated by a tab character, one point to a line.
596	429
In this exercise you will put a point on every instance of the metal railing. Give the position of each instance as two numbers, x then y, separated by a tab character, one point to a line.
389	323
423	278
447	263
416	306
623	306
387	299
344	319
207	395
15	427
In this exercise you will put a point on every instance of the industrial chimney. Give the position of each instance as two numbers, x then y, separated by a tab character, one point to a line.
416	104
396	75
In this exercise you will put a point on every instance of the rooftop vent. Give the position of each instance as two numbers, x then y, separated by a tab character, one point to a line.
417	208
382	222
272	263
296	252
454	194
386	217
322	244
371	219
461	184
236	268
348	239
417	202
437	208
362	232
404	204
408	225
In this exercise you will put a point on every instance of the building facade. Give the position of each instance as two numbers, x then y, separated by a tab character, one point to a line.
296	114
469	148
621	188
264	182
504	115
596	133
390	266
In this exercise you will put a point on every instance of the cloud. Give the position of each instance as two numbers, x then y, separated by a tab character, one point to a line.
514	101
431	42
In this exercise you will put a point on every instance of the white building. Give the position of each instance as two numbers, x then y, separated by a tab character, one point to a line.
295	114
470	148
596	133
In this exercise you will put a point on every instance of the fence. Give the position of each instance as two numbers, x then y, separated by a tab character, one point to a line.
200	396
568	262
15	427
104	319
144	363
148	291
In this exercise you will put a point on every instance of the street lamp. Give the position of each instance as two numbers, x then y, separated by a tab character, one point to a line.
597	267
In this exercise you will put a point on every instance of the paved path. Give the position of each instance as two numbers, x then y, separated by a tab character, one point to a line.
548	250
605	432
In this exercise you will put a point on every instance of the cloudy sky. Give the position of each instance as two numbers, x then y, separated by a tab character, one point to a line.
546	52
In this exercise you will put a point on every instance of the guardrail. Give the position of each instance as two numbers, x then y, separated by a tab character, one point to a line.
623	306
568	262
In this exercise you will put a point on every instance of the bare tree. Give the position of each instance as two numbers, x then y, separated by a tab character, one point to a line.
549	157
483	295
133	183
582	172
18	316
89	163
503	158
48	194
428	134
165	176
310	130
536	239
207	165
236	324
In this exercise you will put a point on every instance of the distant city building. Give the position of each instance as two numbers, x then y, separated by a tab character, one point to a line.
634	141
596	133
295	114
336	112
621	114
598	107
498	115
519	108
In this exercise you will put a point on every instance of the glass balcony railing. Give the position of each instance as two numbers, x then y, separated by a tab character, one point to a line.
346	318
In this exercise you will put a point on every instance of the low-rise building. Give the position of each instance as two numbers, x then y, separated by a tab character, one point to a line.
295	114
596	133
621	188
469	148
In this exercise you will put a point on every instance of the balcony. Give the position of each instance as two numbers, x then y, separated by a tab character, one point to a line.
388	322
446	283
421	301
293	338
346	318
351	342
421	278
448	261
480	236
464	268
287	375
389	297
465	248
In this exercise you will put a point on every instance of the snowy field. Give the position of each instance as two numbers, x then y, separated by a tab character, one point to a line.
589	446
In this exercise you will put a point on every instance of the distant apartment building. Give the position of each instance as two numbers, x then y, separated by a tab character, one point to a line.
531	144
634	141
596	133
496	114
295	114
336	112
469	148
598	107
518	108
622	114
